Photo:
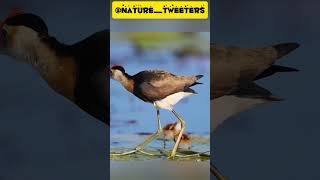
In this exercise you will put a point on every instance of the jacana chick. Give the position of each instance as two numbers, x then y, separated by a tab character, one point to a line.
171	131
185	142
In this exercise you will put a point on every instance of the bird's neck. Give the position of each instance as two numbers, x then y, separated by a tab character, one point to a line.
49	58
40	53
127	82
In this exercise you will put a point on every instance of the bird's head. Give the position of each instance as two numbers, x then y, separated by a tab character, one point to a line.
20	33
117	72
185	141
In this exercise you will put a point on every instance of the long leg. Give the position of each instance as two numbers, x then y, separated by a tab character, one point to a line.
183	126
141	146
154	136
214	170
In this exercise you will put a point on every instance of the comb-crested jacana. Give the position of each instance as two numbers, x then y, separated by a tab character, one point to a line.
185	142
78	72
171	132
160	88
234	71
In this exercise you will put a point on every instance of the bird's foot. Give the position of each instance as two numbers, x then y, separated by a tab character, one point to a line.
141	150
171	157
136	150
123	153
188	154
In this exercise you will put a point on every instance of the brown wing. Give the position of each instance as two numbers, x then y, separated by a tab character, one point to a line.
232	66
155	85
92	91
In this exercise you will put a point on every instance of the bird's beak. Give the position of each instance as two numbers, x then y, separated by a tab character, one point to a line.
14	12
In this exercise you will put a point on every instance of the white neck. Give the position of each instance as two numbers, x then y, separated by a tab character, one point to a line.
38	54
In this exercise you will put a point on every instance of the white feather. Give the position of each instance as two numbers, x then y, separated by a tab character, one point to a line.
225	107
169	101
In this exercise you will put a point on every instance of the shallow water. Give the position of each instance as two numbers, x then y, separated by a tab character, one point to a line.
131	118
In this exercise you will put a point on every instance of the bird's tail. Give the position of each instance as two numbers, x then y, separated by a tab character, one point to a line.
195	83
285	48
275	69
199	76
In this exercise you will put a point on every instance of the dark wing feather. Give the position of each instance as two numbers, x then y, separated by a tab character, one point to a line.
155	85
234	65
92	89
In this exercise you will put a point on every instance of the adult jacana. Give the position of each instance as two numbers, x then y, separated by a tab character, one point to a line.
160	88
79	72
234	73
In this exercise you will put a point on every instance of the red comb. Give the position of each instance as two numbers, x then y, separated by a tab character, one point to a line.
15	11
115	65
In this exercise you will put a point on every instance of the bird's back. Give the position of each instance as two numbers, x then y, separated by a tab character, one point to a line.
233	65
92	89
153	85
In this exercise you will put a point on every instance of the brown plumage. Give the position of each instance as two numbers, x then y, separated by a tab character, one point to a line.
154	85
185	142
162	89
234	67
77	71
169	131
233	74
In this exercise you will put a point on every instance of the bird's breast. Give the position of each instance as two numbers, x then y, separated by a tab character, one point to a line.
169	101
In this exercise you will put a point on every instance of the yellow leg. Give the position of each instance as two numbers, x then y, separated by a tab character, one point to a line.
154	136
183	126
150	139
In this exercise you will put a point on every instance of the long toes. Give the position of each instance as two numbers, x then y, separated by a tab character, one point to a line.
124	153
187	156
146	153
171	157
138	148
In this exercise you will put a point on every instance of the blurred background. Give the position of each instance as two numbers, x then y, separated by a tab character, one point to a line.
280	140
132	120
43	135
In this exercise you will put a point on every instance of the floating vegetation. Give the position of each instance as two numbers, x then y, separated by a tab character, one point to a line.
182	155
200	152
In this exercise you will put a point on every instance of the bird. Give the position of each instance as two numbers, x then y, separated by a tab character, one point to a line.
171	131
185	142
234	73
78	72
160	88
